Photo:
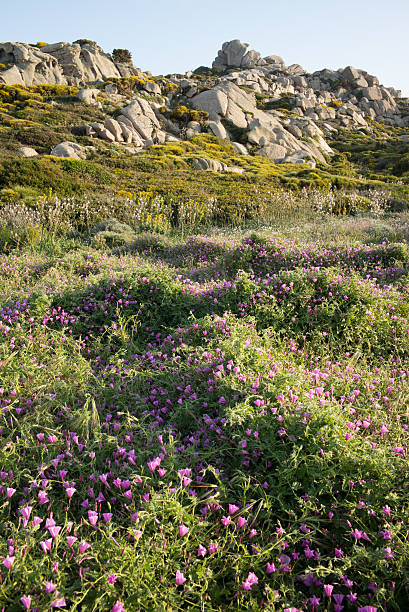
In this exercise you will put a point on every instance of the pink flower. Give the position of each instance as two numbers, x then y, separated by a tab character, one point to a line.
328	588
252	578
118	607
226	520
232	509
50	587
107	516
92	517
387	510
250	581
59	603
46	545
201	551
54	531
112	578
271	568
26	601
8	562
70	492
183	530
10	492
241	521
26	514
71	540
180	579
84	546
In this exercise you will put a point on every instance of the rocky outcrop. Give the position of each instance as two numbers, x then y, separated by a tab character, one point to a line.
27	65
239	55
59	63
82	63
266	131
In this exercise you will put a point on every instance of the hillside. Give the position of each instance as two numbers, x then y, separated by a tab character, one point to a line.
204	335
252	123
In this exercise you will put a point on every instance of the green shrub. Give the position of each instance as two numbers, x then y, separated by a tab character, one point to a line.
122	56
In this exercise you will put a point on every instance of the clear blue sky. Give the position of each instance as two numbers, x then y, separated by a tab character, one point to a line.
178	35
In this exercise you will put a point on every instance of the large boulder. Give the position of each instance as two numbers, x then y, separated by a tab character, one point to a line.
212	101
217	129
27	65
115	128
275	152
141	117
69	149
27	152
89	96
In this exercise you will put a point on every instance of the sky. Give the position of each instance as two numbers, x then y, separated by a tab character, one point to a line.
167	36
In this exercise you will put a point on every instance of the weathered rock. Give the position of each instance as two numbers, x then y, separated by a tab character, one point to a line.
141	122
195	127
204	163
212	101
217	129
240	148
27	152
299	157
88	96
82	63
115	128
275	152
372	93
350	74
238	54
274	59
27	65
69	149
152	88
236	115
245	101
102	132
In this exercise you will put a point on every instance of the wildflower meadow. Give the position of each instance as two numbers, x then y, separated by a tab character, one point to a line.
214	421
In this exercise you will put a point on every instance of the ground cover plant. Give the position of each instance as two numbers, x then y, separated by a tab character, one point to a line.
210	422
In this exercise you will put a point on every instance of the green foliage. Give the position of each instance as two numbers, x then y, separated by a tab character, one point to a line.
84	41
122	56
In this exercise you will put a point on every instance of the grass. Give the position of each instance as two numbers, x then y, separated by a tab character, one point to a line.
210	422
